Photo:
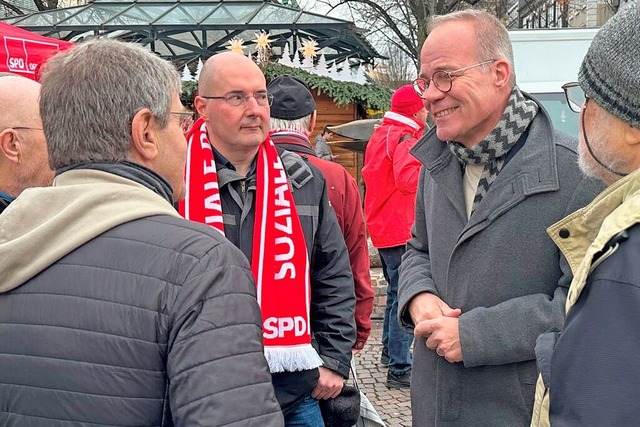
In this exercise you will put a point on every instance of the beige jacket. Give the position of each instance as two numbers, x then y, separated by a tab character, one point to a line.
31	241
589	229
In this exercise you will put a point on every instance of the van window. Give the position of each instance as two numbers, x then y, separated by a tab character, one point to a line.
561	115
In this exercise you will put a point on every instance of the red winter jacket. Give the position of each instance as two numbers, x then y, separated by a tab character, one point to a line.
345	200
391	177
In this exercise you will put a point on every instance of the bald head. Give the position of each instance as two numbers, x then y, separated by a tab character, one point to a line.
19	98
24	161
222	63
232	100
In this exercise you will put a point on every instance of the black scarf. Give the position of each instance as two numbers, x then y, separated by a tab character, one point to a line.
491	151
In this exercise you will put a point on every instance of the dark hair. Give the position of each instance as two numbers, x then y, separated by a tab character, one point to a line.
326	129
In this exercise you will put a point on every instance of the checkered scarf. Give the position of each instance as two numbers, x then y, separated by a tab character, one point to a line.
492	150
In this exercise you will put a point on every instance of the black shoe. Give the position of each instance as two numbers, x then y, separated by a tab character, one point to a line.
384	358
399	381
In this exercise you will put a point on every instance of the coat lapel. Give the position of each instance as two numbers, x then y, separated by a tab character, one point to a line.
531	171
444	169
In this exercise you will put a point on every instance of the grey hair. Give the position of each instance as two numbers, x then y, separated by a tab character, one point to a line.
91	93
6	74
492	37
302	124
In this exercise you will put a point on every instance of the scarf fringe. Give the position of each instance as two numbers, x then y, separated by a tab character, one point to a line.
291	359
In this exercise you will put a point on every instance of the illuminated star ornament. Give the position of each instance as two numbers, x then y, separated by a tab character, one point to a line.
263	48
309	48
236	45
262	40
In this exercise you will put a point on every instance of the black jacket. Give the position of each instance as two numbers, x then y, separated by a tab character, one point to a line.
332	293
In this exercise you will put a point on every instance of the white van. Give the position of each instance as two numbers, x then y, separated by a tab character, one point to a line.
547	59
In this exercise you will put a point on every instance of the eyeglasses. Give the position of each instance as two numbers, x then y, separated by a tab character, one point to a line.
443	80
23	128
575	96
187	118
240	99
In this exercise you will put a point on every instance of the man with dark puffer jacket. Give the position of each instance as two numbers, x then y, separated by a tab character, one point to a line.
113	309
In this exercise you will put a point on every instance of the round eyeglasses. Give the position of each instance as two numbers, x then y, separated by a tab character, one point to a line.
240	99
575	96
443	80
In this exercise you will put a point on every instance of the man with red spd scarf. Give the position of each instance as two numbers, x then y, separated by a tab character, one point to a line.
273	206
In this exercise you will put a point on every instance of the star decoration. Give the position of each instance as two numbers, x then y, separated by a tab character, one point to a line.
236	45
262	40
309	48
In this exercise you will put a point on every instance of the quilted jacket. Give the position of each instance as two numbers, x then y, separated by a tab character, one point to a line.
114	311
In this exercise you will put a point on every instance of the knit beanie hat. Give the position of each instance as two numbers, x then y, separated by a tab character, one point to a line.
610	72
291	98
406	101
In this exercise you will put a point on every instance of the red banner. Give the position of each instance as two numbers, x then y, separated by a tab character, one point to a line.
23	52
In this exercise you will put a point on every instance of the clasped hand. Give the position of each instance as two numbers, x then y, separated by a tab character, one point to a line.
438	323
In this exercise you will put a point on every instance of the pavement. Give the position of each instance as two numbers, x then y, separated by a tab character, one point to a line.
393	405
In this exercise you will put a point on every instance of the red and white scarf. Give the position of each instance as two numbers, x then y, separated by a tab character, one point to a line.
280	263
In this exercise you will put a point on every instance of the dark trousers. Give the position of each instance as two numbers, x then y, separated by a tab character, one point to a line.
396	342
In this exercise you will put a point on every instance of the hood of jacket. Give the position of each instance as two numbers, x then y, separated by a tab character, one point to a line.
45	224
391	118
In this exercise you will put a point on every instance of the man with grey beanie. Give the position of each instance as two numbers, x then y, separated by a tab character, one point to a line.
589	374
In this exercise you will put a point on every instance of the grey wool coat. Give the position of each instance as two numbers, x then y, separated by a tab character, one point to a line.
500	267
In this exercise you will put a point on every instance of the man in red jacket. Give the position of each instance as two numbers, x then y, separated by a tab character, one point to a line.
293	117
391	177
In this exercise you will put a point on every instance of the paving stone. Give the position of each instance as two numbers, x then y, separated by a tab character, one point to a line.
393	405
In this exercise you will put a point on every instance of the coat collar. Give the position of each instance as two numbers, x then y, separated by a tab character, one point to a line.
532	170
293	141
585	232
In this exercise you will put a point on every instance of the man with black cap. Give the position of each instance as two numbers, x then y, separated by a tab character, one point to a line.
594	360
293	117
273	205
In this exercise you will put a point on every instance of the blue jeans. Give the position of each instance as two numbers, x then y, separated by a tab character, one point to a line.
395	341
307	414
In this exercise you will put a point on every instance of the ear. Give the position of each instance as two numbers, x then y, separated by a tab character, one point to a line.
10	146
632	135
200	103
144	137
502	73
312	124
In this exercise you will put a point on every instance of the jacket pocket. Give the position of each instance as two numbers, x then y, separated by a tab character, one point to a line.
527	375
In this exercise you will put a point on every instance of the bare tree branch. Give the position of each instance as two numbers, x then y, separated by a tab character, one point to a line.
11	7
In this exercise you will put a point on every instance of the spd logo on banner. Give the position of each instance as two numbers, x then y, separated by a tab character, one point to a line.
24	56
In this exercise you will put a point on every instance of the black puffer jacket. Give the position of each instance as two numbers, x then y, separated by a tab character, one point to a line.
151	323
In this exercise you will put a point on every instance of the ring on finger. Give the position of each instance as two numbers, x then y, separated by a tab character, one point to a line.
439	353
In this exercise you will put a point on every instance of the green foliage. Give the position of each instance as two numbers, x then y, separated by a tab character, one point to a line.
189	91
370	96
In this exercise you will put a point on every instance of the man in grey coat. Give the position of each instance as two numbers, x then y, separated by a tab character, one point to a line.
113	309
481	279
